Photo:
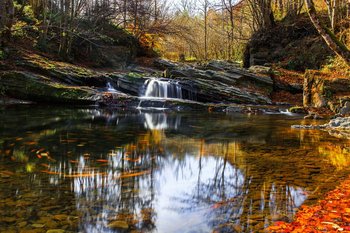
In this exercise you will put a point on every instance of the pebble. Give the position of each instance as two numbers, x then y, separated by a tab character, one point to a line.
22	224
118	224
60	217
56	231
38	225
8	219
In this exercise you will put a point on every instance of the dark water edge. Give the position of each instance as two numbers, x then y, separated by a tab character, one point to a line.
93	170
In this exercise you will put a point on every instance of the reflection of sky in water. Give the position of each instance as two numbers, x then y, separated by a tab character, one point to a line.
183	204
182	193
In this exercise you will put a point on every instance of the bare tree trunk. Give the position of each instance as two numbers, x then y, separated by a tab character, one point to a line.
155	11
6	20
205	11
124	13
333	43
136	10
334	14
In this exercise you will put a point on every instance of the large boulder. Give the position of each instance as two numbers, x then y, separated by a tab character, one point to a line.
322	91
36	88
222	82
62	72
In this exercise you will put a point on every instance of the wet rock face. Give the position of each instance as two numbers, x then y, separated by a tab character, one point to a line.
322	91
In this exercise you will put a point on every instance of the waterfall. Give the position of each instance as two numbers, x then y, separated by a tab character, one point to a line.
156	88
110	88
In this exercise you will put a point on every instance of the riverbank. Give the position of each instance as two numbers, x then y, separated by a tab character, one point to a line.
332	214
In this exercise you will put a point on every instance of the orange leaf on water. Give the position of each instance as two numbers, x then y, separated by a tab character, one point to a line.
102	161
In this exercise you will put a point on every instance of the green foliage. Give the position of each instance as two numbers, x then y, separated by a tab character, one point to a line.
336	64
19	29
2	55
134	75
27	15
297	109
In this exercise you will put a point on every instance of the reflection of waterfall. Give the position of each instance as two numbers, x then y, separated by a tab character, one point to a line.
162	89
161	121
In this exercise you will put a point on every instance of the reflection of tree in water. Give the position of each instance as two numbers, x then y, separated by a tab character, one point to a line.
237	198
124	192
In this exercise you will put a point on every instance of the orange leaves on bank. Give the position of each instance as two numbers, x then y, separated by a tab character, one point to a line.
330	215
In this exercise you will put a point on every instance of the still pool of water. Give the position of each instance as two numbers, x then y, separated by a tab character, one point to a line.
87	170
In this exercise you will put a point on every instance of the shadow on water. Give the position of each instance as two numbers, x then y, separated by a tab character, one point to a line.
87	170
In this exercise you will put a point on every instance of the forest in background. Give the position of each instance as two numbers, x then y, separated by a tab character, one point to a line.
181	30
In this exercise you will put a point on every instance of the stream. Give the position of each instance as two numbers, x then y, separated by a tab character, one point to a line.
95	170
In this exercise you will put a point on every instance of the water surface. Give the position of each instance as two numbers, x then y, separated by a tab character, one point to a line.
87	170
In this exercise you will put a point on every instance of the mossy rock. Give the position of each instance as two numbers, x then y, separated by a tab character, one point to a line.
28	86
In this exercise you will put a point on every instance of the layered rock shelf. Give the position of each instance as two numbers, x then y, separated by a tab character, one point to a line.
199	86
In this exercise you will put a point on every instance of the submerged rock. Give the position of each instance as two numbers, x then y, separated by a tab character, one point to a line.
338	127
339	123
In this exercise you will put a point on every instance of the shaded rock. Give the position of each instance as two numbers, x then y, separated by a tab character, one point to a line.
260	70
322	91
36	88
64	73
131	84
345	110
293	44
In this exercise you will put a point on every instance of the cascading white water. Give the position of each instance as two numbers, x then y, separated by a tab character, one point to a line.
156	88
110	88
